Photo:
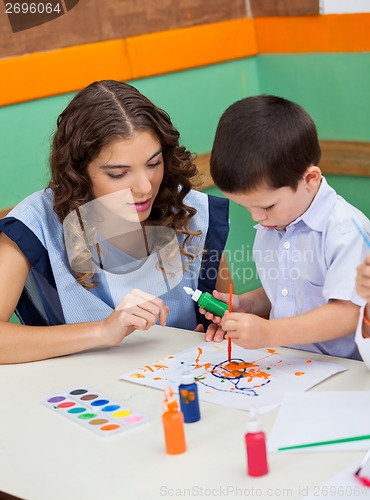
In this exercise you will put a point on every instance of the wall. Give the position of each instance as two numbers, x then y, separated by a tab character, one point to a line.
195	100
194	69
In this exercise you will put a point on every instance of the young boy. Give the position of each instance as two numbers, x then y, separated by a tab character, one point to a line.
265	157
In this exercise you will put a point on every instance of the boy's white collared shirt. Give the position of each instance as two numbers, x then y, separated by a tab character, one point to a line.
313	261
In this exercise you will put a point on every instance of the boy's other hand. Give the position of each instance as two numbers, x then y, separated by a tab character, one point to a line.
363	279
224	297
213	332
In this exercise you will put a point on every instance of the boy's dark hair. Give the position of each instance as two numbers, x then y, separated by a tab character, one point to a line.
263	140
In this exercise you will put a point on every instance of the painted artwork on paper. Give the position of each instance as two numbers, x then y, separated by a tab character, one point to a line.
252	378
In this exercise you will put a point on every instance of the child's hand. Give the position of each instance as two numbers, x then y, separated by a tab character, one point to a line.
137	311
225	298
213	332
363	279
247	330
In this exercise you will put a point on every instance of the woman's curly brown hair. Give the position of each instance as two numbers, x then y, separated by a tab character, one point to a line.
109	110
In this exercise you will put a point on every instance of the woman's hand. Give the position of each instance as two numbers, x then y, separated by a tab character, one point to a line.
137	311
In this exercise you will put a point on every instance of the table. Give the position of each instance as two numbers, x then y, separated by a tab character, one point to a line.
44	456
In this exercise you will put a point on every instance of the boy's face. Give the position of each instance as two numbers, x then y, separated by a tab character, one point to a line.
277	208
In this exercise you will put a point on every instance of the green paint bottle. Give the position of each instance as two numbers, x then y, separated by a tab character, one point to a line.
206	301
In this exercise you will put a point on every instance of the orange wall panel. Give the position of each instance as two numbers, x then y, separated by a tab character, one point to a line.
175	50
62	70
324	33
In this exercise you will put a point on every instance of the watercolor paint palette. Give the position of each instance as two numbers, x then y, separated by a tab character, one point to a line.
94	411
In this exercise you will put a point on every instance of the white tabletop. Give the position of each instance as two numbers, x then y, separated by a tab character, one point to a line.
44	456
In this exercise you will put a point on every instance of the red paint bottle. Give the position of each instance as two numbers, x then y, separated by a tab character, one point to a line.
255	442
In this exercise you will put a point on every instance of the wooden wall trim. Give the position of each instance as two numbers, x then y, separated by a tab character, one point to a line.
261	8
338	157
72	68
4	212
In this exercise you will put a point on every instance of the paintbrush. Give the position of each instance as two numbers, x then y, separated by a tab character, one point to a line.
363	463
362	232
230	310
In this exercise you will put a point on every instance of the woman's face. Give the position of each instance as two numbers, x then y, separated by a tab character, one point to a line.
130	171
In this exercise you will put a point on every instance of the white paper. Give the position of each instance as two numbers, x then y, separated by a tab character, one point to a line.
321	416
255	378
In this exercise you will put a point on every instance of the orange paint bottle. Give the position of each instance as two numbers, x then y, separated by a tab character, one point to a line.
173	424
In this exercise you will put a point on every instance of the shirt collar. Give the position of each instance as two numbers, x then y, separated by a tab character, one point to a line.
317	213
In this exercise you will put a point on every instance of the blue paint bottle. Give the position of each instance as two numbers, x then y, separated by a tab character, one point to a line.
189	402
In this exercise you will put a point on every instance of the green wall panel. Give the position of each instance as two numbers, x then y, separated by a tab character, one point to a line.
26	130
333	88
194	99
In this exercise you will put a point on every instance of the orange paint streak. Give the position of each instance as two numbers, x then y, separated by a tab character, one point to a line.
160	367
157	378
271	350
137	375
200	352
299	374
236	370
147	367
308	361
272	353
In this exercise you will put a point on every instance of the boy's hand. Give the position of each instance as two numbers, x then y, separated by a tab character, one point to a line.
213	332
363	279
247	330
225	298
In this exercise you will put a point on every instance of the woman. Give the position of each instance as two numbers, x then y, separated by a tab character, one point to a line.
70	254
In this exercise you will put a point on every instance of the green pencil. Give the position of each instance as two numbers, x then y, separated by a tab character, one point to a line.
323	443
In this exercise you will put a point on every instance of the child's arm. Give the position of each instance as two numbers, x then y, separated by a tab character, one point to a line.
334	320
19	343
363	289
363	328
